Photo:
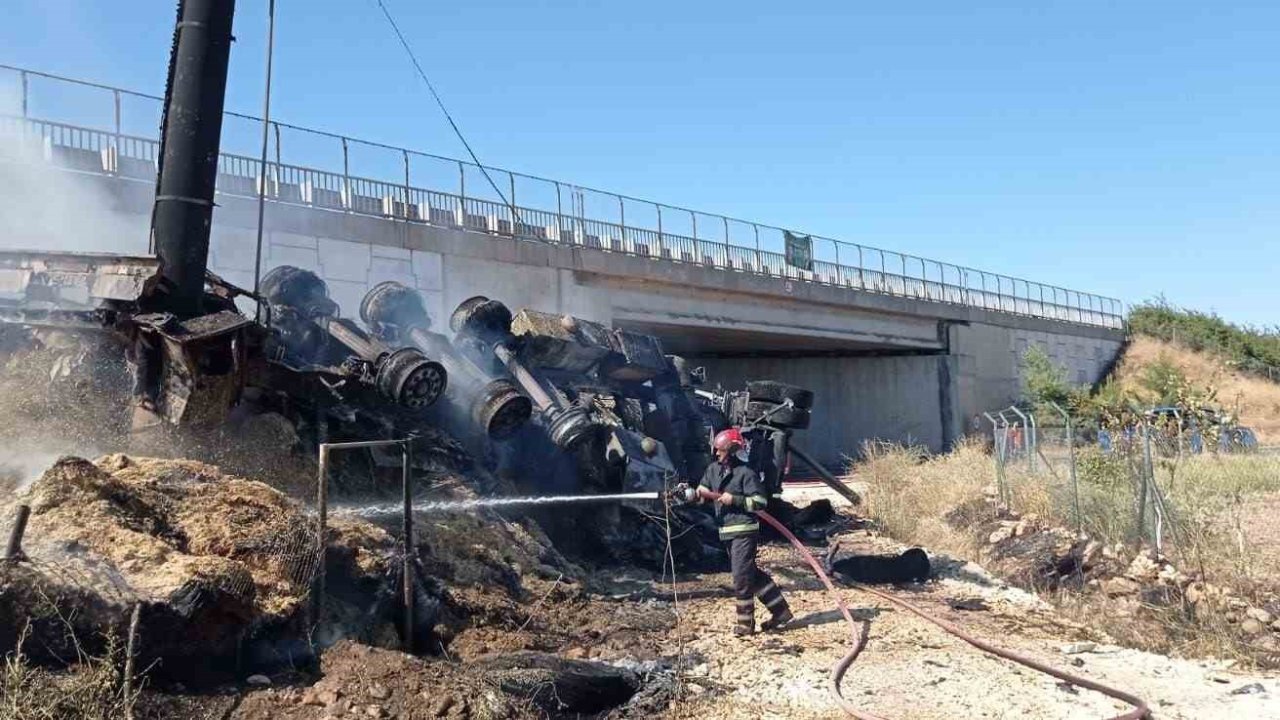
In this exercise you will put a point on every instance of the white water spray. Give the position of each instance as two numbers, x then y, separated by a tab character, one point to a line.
460	505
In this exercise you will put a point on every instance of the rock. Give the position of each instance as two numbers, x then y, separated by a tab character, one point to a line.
379	692
1275	626
1143	568
375	711
575	653
1090	552
1250	689
320	697
1000	534
1252	627
258	680
1260	615
1219	678
1076	648
1119	587
1169	575
1237	604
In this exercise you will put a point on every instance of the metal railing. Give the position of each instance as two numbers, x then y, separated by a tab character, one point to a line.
328	171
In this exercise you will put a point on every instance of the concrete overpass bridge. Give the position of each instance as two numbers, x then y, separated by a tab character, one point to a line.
896	346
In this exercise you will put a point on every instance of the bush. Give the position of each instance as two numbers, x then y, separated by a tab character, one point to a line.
1250	349
1043	381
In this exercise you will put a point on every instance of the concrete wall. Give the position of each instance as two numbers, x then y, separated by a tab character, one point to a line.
989	362
900	399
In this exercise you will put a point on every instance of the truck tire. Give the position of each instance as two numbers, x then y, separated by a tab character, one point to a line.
779	415
777	392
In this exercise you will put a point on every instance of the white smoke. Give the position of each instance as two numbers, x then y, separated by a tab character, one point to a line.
44	206
22	463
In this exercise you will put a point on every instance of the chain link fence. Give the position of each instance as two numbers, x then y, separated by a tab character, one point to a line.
1202	498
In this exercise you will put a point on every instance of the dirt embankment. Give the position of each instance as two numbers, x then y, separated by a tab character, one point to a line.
1257	400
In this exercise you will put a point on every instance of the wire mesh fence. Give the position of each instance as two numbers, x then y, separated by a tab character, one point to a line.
1199	497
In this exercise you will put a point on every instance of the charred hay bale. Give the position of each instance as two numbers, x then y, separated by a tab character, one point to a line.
211	558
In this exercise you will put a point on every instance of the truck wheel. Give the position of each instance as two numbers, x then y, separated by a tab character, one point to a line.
777	392
779	415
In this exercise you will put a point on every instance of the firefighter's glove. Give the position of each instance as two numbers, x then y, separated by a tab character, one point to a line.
682	494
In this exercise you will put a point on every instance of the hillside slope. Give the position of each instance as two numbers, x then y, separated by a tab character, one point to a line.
1256	400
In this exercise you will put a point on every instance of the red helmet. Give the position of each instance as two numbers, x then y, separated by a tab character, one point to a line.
730	440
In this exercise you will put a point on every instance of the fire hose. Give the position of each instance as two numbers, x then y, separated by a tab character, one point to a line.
1139	711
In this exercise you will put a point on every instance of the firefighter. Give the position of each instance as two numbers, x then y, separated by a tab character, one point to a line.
741	495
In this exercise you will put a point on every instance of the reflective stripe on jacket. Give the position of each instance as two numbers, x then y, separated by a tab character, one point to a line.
748	494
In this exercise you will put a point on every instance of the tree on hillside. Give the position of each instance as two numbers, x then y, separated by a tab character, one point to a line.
1043	381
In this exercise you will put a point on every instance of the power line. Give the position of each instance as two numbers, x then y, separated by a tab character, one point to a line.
427	81
262	166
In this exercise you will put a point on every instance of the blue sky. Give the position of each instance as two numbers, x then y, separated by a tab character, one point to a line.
1128	149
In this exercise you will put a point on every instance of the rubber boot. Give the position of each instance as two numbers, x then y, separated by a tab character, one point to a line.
746	618
779	619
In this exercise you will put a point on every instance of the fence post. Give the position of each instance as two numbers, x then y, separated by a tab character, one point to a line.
759	260
462	195
1071	465
346	175
115	148
322	521
511	183
407	196
13	551
662	244
130	655
406	451
1145	474
1029	432
997	451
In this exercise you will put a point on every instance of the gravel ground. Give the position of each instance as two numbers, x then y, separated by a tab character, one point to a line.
911	669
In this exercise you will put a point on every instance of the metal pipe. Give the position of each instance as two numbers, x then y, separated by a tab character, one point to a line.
831	481
322	541
526	380
365	347
189	143
406	451
322	511
13	551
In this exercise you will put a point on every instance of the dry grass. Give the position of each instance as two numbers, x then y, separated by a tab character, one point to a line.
1257	400
910	495
92	689
1220	528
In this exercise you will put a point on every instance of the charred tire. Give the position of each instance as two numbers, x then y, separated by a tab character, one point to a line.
481	317
778	415
773	391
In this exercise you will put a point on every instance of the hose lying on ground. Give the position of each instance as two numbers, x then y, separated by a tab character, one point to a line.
1140	709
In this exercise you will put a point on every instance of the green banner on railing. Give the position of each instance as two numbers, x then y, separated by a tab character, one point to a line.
799	250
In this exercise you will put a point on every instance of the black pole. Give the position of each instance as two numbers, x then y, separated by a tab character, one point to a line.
13	551
189	141
826	476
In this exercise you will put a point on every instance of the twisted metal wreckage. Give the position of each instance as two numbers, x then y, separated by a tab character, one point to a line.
529	383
